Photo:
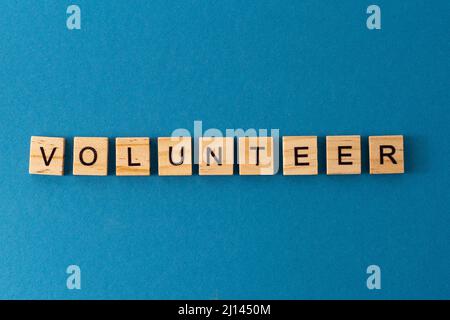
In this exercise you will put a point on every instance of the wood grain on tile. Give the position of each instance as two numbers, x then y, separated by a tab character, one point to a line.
256	156
343	154
300	155
90	156
132	156
216	156
174	156
47	155
386	155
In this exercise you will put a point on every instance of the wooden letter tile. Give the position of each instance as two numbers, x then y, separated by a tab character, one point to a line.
216	156
174	156
386	154
256	156
132	156
90	156
300	155
343	155
47	156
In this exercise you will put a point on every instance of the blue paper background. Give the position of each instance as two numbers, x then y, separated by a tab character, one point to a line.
145	68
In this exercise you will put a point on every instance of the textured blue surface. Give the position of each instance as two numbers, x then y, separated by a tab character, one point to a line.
145	68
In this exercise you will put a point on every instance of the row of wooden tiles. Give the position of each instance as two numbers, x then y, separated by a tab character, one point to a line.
216	155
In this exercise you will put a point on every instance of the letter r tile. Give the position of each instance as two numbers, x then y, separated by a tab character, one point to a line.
386	154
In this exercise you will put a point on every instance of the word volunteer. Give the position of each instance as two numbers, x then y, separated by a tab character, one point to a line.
256	155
